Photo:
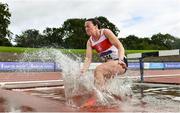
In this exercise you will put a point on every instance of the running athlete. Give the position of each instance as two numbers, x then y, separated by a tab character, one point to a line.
110	50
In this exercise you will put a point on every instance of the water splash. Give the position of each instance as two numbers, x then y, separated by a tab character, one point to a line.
120	87
69	63
76	85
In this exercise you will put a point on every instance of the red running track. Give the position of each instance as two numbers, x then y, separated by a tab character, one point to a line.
162	76
152	76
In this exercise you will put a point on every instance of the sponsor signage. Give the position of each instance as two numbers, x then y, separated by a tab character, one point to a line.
133	65
28	66
172	65
154	66
52	66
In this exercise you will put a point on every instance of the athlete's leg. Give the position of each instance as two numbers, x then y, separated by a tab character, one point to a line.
107	70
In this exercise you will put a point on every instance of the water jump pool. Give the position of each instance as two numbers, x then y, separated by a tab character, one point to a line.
52	99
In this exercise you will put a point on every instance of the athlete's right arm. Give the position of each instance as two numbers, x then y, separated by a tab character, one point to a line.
88	57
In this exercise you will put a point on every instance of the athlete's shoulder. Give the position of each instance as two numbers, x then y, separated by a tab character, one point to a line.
107	32
106	29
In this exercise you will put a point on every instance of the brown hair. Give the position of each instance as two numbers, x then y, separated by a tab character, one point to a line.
95	22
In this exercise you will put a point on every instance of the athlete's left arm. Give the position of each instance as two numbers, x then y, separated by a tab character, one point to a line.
114	40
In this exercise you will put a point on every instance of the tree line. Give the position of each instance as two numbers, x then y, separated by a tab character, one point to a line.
72	35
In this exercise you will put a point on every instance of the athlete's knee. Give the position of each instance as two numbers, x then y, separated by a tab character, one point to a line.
98	72
99	69
122	71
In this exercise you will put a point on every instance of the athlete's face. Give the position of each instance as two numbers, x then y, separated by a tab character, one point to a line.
90	28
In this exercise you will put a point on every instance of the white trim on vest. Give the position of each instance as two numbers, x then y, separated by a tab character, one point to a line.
102	38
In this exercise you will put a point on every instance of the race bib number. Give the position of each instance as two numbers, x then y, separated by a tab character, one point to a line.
106	55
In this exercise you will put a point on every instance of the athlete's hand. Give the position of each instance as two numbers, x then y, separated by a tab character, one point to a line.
122	63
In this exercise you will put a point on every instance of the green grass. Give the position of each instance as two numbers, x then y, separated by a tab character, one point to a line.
139	51
15	49
78	52
75	51
22	49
